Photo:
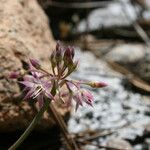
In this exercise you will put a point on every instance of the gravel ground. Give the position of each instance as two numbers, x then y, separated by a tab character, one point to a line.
115	107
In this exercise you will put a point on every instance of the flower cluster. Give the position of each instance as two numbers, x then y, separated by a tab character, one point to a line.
41	84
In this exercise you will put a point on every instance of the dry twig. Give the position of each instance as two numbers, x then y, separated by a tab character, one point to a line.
70	143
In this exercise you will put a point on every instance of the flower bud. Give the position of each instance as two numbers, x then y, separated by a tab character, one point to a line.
52	59
35	63
72	67
57	45
72	52
14	75
58	53
69	53
97	84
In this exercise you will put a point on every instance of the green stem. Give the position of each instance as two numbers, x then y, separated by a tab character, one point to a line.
31	126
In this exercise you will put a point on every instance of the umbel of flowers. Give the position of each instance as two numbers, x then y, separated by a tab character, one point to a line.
45	86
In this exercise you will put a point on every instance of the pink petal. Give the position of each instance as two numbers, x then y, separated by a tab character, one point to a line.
27	83
35	63
28	78
28	95
78	99
87	97
49	95
46	84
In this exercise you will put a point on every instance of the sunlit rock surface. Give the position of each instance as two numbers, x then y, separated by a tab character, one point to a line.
24	33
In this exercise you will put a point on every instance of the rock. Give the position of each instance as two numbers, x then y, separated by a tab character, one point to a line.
119	144
117	13
135	57
147	141
145	4
147	128
127	53
114	14
24	33
143	68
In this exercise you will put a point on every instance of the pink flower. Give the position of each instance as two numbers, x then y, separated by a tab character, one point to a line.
41	84
37	88
82	96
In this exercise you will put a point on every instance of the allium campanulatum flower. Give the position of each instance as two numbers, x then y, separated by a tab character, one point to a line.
83	96
45	86
78	94
40	83
37	87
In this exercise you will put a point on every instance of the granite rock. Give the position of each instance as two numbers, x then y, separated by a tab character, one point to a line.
24	33
119	144
135	57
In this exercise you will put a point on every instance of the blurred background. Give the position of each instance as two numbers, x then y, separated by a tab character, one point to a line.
112	42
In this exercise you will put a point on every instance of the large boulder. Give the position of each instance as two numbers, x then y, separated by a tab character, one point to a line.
24	33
